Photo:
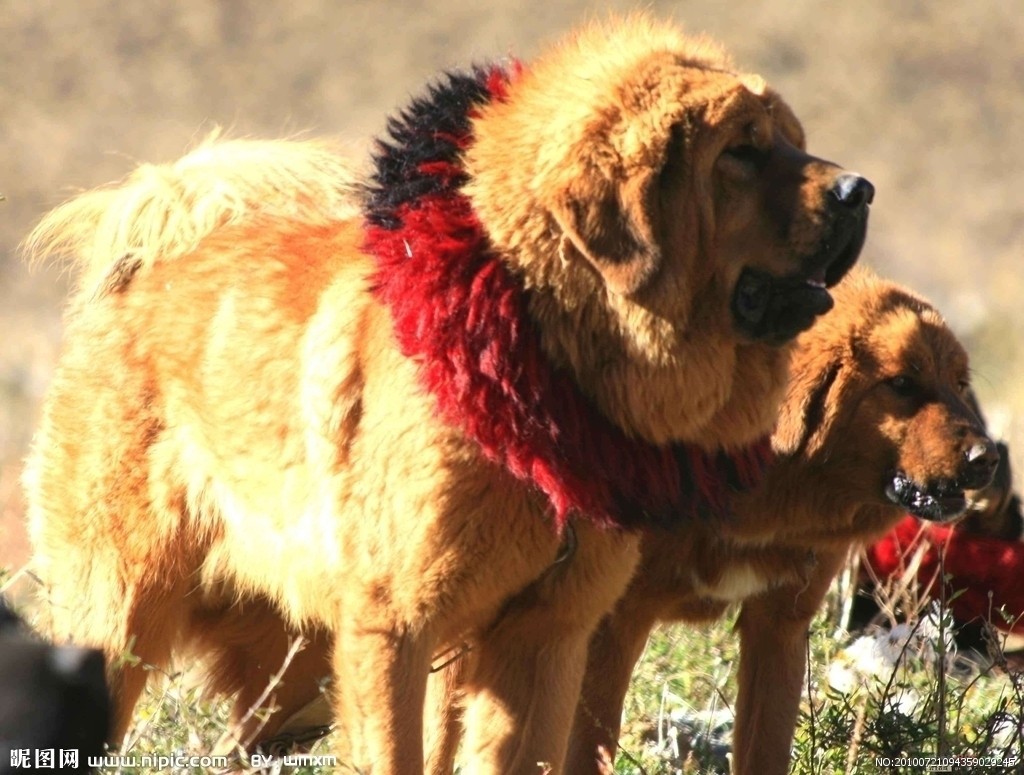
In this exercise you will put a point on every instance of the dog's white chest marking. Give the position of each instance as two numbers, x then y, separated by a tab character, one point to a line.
736	584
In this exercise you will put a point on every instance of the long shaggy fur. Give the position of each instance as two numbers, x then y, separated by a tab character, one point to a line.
842	432
165	210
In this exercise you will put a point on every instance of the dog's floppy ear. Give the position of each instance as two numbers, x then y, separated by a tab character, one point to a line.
610	224
808	409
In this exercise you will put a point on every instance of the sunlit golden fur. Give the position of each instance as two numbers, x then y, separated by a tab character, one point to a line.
233	430
599	117
843	431
164	211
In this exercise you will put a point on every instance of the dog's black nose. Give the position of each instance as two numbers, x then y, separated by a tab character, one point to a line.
981	462
983	455
853	191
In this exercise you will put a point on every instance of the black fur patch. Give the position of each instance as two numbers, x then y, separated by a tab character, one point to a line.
120	274
431	130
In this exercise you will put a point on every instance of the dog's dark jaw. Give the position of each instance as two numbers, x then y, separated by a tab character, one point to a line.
836	269
842	248
775	309
940	501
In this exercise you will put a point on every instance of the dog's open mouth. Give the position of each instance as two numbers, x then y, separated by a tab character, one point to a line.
941	501
776	309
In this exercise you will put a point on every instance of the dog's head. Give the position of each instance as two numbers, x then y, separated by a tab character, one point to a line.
880	406
730	210
666	170
995	510
788	225
656	194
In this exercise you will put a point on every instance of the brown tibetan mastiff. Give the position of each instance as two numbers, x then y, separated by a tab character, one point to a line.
876	422
560	312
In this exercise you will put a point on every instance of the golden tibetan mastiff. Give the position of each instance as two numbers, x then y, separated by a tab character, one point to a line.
559	313
877	421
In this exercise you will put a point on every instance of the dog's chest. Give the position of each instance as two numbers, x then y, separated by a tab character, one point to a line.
737	574
732	585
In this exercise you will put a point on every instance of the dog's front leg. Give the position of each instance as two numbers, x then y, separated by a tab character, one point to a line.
773	637
380	686
614	650
527	669
522	696
444	711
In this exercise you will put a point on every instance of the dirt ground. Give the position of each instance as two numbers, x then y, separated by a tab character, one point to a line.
924	98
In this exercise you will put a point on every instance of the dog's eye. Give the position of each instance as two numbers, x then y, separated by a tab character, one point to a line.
964	387
742	162
746	153
902	385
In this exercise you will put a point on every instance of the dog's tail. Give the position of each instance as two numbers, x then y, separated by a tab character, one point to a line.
161	211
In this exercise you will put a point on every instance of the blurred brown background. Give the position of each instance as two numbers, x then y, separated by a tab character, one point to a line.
922	97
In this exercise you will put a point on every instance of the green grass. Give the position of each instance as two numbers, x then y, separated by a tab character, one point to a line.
890	714
175	716
927	705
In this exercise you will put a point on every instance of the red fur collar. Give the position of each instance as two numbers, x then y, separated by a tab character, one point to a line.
461	315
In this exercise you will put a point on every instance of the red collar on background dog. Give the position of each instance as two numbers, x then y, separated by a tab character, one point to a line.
977	566
460	313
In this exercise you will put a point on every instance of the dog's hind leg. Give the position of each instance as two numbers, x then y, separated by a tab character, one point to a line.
145	641
131	608
135	620
114	544
253	656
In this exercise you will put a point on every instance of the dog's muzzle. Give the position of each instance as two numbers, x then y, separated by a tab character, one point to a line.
944	500
775	309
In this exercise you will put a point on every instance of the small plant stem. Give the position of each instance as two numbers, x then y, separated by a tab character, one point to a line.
940	665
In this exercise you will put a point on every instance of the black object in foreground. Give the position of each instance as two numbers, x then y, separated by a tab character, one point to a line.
54	704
